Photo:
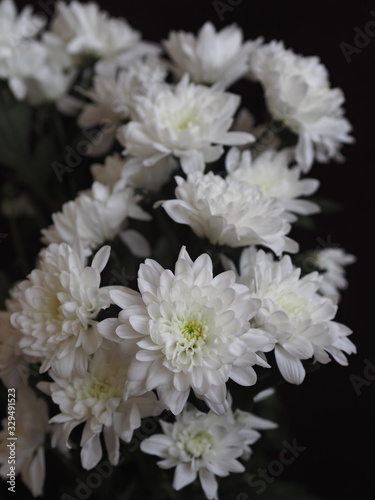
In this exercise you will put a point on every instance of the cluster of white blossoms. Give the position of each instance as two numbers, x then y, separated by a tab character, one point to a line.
200	211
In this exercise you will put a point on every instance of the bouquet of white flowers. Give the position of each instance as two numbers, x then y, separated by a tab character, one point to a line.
157	295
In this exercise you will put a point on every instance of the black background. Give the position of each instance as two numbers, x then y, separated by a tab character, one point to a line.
328	416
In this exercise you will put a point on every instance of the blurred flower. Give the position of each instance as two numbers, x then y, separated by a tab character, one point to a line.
211	57
133	172
270	171
113	97
20	64
88	31
331	262
15	27
31	428
95	216
12	360
298	93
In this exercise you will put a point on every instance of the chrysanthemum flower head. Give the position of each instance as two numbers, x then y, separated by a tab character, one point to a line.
292	310
95	216
190	330
87	30
298	93
189	121
271	172
230	212
211	57
56	308
203	445
96	399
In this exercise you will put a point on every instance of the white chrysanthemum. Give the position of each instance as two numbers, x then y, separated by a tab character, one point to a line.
229	212
88	31
293	311
192	332
95	216
146	178
109	173
297	92
20	64
31	420
50	84
112	98
332	262
96	399
15	27
133	172
270	171
206	445
189	121
56	307
21	56
211	57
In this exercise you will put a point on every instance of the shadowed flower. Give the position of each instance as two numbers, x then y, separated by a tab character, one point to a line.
203	445
31	421
95	399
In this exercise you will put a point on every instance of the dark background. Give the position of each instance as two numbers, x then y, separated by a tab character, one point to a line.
329	417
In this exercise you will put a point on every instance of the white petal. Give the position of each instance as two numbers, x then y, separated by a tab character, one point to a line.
101	258
209	483
184	474
91	452
158	444
290	367
136	242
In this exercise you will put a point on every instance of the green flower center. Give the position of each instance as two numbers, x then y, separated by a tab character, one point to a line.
95	388
199	444
192	330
